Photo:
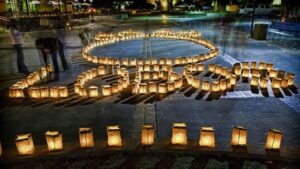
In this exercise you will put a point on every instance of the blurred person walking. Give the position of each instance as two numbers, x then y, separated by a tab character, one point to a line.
52	46
17	42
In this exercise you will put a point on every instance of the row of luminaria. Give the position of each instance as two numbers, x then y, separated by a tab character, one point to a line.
103	39
157	79
262	72
162	79
17	90
54	139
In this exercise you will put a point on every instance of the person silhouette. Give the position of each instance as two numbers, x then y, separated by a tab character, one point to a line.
52	46
17	42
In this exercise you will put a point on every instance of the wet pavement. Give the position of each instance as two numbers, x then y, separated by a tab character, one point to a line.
257	114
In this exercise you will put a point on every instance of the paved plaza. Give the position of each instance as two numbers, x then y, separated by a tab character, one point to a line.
242	107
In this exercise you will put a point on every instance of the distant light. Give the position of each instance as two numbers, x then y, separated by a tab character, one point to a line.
276	2
164	5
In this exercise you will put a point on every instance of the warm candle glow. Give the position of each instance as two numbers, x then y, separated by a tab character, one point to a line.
276	83
171	86
101	70
106	90
49	68
179	135
93	91
147	68
273	73
146	75
290	80
16	92
218	69
0	149
168	61
143	88
44	92
125	61
273	141
269	66
114	88
207	137
25	144
153	61
178	83
261	65
34	92
140	61
253	65
237	70
245	73
196	83
200	67
255	72
233	79
114	136
164	75
222	85
215	87
54	92
245	65
63	91
82	91
147	135
132	62
177	61
54	140
86	138
263	83
152	86
211	67
284	83
254	81
205	85
224	71
239	136
162	61
162	88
